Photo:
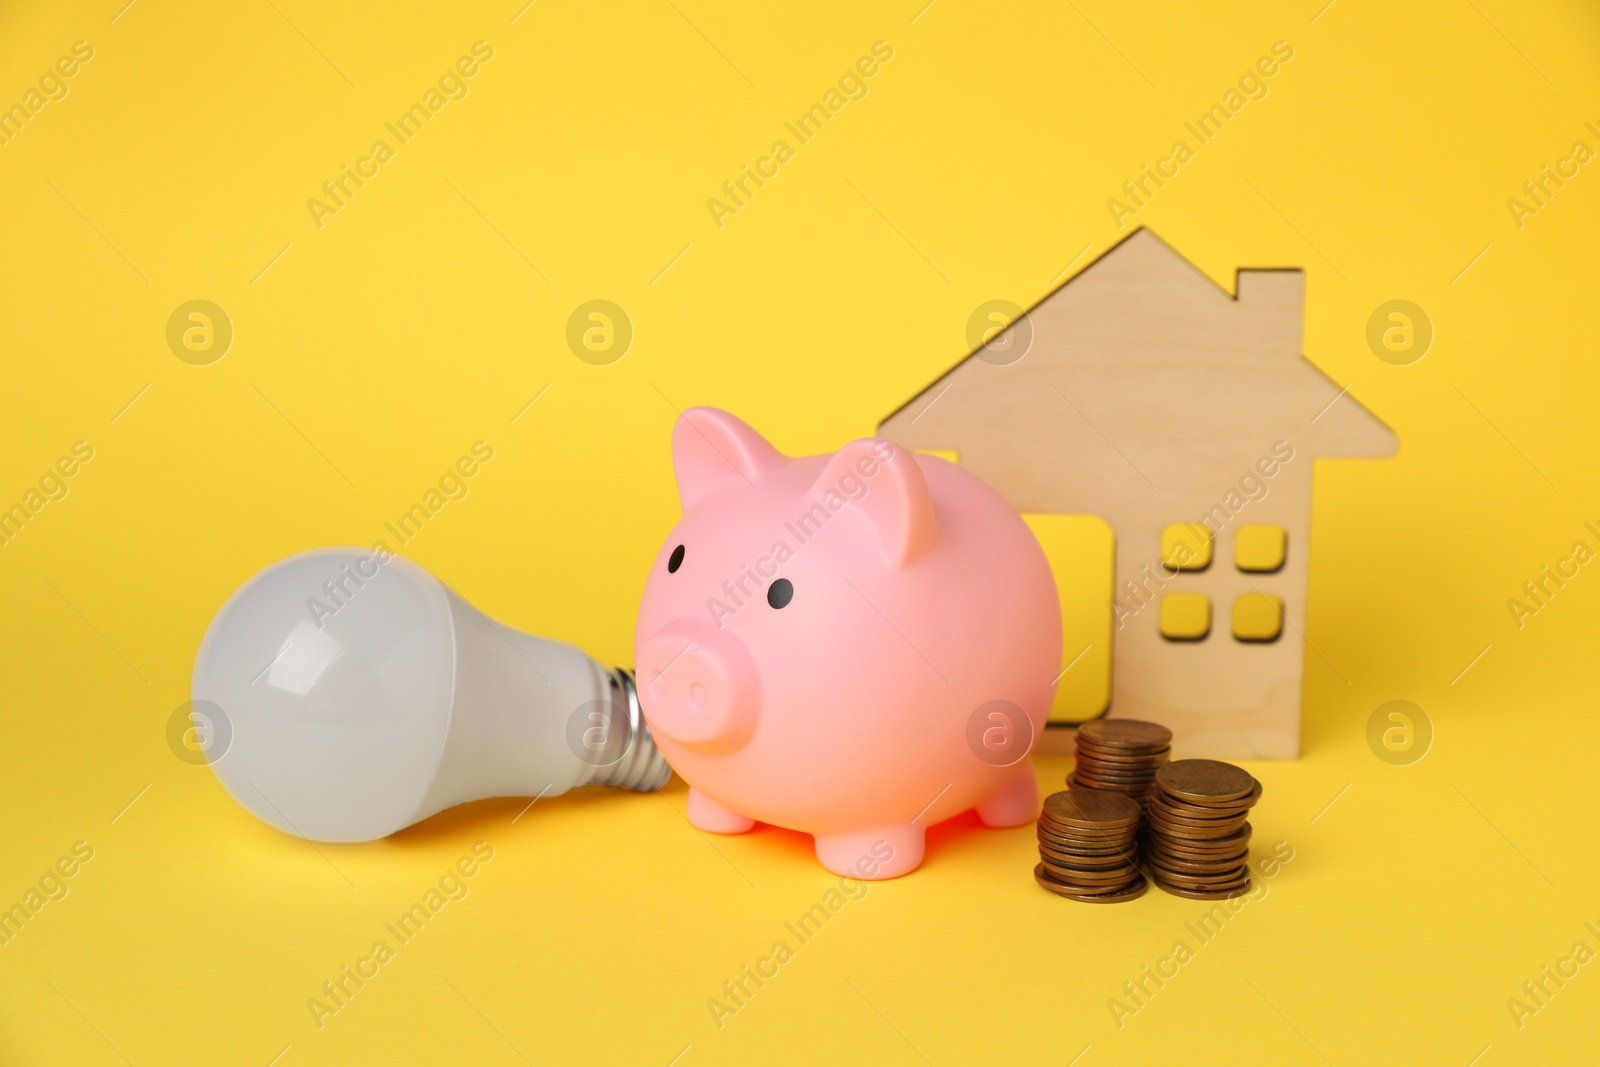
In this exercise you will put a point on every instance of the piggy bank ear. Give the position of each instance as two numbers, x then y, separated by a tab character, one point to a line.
883	481
711	448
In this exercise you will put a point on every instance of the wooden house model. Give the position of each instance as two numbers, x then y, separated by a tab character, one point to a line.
1188	419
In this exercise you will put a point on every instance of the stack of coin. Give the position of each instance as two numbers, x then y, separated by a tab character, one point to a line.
1120	756
1086	847
1196	833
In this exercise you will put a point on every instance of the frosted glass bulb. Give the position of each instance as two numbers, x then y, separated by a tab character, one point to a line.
346	699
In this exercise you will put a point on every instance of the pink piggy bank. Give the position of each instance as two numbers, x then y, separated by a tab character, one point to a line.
856	646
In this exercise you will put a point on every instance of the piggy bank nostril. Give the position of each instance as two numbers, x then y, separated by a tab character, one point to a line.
663	663
697	695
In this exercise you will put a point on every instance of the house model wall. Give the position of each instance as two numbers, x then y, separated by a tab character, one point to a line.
1188	419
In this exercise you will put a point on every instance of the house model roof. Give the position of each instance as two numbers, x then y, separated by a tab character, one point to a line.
1140	380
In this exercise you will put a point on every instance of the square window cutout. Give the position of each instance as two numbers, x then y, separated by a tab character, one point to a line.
1259	549
1185	616
1186	546
1258	617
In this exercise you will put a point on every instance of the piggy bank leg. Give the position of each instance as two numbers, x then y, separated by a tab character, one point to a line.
1016	801
872	854
706	814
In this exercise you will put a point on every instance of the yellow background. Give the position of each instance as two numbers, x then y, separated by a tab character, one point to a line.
416	321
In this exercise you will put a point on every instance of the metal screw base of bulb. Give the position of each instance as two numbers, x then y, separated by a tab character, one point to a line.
643	767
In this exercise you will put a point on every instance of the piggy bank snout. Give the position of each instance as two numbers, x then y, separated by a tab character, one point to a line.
698	687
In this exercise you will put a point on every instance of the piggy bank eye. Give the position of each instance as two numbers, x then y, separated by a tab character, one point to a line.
780	592
675	561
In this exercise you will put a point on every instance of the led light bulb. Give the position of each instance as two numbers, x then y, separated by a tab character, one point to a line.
346	698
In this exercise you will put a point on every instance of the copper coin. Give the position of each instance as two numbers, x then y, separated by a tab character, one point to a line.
1088	863
1116	770
1156	811
1092	850
1100	736
1084	767
1077	859
1205	850
1095	774
1131	891
1166	855
1186	869
1178	804
1180	869
1088	776
1154	826
1087	758
1167	881
1091	879
1202	886
1157	819
1194	866
1090	843
1250	798
1180	810
1113	846
1196	850
1209	844
1085	842
1074	837
1092	780
1080	884
1124	733
1196	811
1111	784
1064	805
1194	829
1193	836
1095	834
1205	781
1204	880
1215	893
1088	749
1121	871
1244	803
1134	791
1183	809
1177	853
1185	831
1076	783
1090	809
1087	771
1084	891
1086	741
1177	850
